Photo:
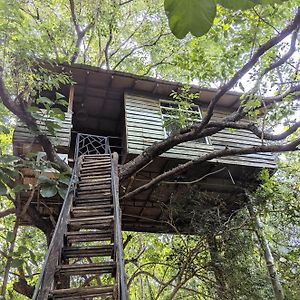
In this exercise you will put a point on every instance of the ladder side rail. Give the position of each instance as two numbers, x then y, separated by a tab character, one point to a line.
46	278
118	241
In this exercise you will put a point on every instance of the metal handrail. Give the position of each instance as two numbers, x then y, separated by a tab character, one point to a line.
46	278
118	241
98	144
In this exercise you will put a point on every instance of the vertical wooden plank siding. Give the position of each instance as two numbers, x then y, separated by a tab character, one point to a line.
144	126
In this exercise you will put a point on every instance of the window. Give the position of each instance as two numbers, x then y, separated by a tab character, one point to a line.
176	117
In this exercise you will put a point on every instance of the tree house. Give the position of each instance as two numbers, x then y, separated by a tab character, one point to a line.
108	112
131	112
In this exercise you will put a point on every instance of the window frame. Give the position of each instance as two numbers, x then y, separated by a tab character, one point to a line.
164	115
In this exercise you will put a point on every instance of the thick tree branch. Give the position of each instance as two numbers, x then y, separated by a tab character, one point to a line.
80	33
74	17
22	287
291	146
106	48
258	132
7	212
20	111
194	131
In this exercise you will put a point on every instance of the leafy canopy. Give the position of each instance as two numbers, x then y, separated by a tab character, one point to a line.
197	16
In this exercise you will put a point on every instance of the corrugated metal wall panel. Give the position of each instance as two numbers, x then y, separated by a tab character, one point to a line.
144	126
61	139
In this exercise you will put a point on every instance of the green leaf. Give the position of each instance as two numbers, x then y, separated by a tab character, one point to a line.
9	158
9	173
64	180
28	269
236	5
52	127
22	250
45	180
17	262
44	100
246	4
241	87
266	2
58	113
62	192
33	109
62	102
3	189
195	16
48	191
4	129
33	257
59	96
9	236
21	187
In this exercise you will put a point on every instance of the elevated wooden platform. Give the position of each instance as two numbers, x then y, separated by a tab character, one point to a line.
173	202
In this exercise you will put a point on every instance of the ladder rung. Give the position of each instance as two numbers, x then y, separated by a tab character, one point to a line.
91	212
79	293
102	222
96	181
94	196
95	186
89	236
82	269
80	252
92	203
95	166
94	190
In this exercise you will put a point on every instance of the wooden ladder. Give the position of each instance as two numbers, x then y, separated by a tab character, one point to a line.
89	247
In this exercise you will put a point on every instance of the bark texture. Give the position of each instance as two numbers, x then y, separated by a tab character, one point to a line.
268	256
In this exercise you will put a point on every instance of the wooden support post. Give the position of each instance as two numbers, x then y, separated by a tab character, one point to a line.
118	241
71	99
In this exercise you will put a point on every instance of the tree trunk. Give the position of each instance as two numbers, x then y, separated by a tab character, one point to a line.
266	249
222	288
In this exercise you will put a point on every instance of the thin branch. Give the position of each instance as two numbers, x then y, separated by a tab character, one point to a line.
264	20
125	2
291	146
159	63
196	180
190	133
286	56
134	49
10	258
114	52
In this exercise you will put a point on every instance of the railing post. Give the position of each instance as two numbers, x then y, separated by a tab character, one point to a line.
77	147
46	279
107	148
118	241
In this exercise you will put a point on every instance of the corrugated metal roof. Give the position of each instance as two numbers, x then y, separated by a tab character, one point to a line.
99	94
